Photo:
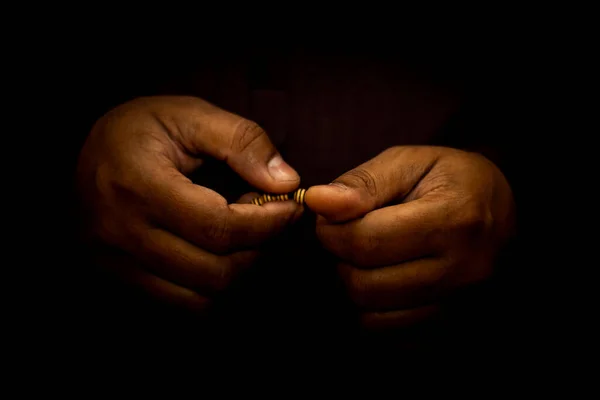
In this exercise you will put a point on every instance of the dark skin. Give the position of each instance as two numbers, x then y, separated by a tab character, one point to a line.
189	243
410	227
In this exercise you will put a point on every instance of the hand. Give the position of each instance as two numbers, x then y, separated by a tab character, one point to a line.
411	226
187	240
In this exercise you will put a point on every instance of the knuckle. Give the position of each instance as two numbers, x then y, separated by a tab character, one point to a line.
246	133
362	178
474	220
117	184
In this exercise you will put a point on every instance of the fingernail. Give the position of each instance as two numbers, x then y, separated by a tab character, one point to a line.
280	170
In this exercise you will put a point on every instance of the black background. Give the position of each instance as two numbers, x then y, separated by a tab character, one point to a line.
80	83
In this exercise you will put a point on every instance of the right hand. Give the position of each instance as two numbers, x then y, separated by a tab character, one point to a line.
186	240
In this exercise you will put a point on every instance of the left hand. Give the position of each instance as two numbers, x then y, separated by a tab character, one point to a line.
411	226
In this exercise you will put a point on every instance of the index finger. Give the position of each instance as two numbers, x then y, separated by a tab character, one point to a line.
201	128
389	235
204	218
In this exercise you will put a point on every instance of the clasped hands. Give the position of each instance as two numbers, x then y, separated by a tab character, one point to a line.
409	227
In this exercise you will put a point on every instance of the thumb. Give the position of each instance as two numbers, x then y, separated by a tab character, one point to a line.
390	176
205	129
254	157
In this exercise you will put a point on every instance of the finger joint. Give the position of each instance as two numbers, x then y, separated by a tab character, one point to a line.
219	234
246	133
361	178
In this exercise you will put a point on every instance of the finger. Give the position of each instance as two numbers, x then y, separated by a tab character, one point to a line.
184	264
388	235
399	319
409	285
127	269
203	128
247	198
203	217
389	176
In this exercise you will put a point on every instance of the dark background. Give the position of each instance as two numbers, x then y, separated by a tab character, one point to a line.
89	317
